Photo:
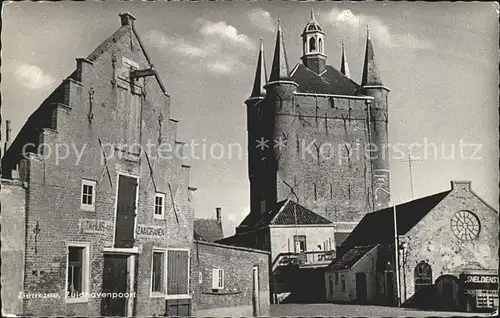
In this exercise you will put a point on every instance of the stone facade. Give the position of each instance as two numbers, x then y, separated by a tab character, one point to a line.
433	241
235	298
98	111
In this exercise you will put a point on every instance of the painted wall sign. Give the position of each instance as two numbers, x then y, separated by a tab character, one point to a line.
105	226
95	226
487	282
146	230
481	279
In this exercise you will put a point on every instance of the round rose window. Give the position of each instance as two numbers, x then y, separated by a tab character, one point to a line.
465	225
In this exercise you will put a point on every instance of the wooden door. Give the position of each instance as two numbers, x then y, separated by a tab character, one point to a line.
361	294
447	290
114	281
125	212
389	290
178	308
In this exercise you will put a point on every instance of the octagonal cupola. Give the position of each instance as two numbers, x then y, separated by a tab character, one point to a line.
313	46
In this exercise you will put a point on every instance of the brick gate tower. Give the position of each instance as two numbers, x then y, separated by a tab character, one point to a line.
317	137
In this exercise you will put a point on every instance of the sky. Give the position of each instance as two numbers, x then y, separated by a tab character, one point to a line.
440	61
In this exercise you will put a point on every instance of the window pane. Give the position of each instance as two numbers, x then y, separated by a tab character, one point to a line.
75	270
157	272
87	194
158	205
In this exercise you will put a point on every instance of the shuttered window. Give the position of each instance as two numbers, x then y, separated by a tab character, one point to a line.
217	278
129	103
177	272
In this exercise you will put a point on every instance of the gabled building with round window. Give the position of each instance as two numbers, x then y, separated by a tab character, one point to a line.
447	254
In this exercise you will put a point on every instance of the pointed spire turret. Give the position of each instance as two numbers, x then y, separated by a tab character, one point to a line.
279	70
344	67
371	75
312	15
260	74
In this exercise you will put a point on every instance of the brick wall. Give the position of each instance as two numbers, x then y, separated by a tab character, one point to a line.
327	159
236	297
55	184
13	210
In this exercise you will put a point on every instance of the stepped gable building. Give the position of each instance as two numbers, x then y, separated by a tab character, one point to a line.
326	134
118	219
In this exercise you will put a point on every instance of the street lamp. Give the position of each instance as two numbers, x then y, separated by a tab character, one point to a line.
396	244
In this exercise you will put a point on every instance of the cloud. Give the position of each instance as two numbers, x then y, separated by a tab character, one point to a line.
162	41
225	66
219	47
236	218
261	19
350	23
32	77
227	33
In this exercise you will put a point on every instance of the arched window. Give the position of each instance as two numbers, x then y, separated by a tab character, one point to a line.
423	275
320	44
312	44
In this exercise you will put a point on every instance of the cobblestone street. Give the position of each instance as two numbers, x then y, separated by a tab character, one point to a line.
338	310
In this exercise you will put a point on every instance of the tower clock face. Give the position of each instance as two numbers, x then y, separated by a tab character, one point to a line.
465	225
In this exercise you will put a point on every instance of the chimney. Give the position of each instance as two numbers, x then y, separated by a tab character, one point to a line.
127	18
217	213
7	135
464	185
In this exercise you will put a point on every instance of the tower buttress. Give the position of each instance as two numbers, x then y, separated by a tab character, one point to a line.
378	111
256	129
280	94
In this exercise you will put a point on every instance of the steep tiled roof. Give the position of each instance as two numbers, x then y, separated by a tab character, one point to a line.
208	230
331	81
350	258
340	238
377	227
290	213
287	213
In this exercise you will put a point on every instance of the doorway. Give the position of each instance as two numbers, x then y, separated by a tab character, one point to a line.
389	288
361	293
447	291
114	280
125	211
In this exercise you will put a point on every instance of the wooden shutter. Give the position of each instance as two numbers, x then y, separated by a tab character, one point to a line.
178	275
221	278
215	278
